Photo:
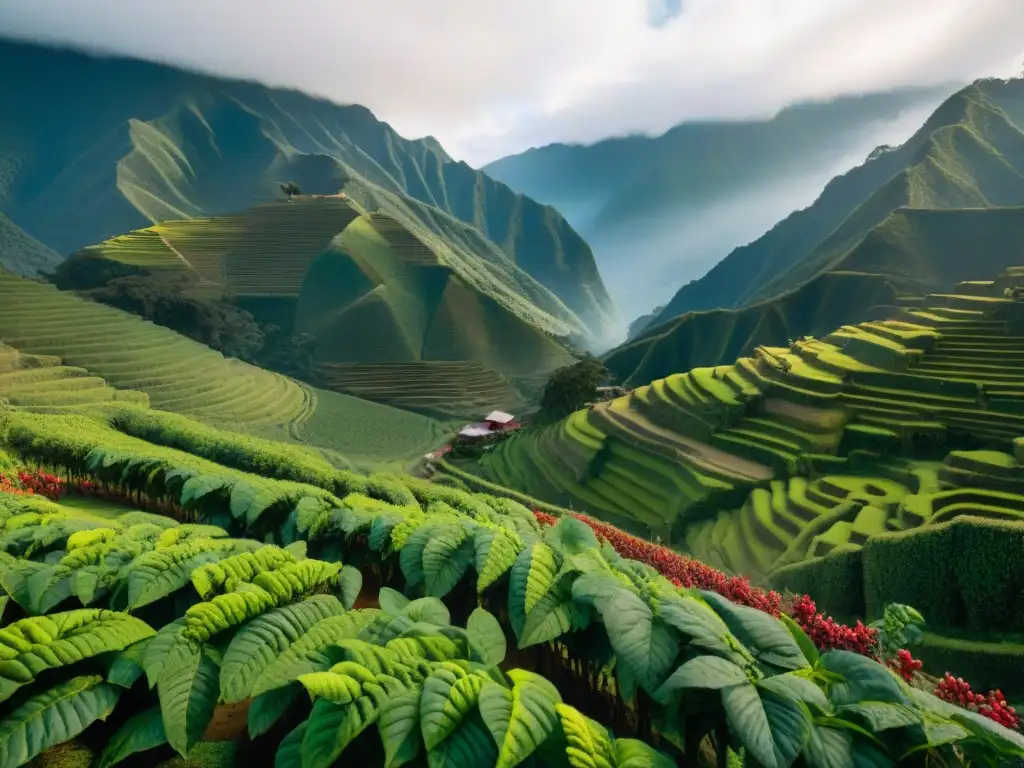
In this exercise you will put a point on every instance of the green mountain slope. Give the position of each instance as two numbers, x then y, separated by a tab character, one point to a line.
60	354
371	291
970	153
913	251
22	253
104	146
628	196
802	425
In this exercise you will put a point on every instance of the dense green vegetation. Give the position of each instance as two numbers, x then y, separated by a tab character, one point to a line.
247	605
970	153
834	466
97	147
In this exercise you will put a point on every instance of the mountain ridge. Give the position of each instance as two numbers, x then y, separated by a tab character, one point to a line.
183	143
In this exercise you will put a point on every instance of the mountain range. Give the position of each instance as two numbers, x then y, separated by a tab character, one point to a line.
906	216
658	210
93	147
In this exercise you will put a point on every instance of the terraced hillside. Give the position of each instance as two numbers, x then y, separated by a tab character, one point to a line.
61	353
446	390
968	154
371	291
881	463
22	253
946	372
117	145
913	251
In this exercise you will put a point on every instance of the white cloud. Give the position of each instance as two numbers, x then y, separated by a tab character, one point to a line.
488	78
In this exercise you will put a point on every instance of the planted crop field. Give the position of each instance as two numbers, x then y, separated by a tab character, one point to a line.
447	390
761	439
176	373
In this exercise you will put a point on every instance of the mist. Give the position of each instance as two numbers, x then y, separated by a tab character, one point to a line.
644	263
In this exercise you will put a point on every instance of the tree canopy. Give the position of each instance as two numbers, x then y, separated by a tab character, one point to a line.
572	387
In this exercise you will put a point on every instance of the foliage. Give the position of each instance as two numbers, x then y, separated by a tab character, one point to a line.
899	627
217	323
570	388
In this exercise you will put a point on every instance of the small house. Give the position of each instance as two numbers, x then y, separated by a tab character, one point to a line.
499	421
476	431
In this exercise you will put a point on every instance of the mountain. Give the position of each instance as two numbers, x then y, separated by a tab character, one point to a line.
912	252
373	290
22	253
100	146
968	154
676	203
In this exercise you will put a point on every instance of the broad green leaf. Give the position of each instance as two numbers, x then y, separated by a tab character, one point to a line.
632	753
792	686
571	536
984	728
157	574
4	599
699	624
790	725
486	636
748	719
428	609
520	720
588	744
551	618
227	574
392	601
188	691
249	499
289	753
446	700
940	730
829	747
265	638
445	559
642	642
764	636
127	666
807	646
158	650
350	582
881	715
399	728
710	672
332	727
142	732
540	575
56	715
860	679
267	708
247	601
32	646
470	746
306	654
496	551
410	556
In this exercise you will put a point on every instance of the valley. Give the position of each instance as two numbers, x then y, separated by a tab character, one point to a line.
243	330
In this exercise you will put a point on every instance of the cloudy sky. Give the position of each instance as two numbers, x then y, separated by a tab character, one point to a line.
493	77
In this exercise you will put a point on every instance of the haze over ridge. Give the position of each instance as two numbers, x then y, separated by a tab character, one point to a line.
536	77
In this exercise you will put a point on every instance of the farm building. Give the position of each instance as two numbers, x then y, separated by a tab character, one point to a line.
499	421
494	422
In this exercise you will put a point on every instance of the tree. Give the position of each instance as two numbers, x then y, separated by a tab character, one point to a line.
290	189
572	387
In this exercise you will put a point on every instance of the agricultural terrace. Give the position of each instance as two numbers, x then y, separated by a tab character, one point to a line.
59	354
824	466
177	374
304	616
264	251
445	390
